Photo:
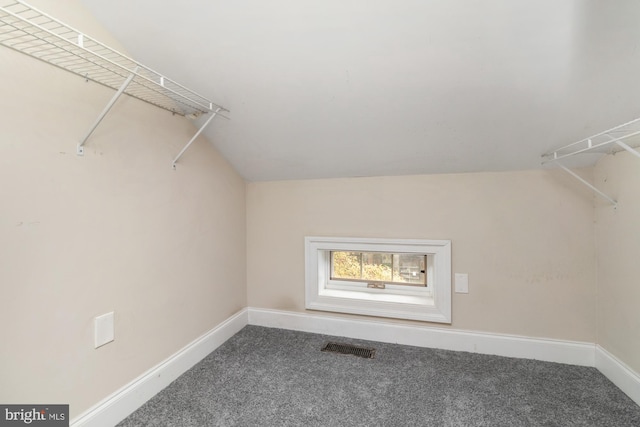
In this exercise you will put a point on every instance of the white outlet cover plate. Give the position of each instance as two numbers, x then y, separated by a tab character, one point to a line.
104	326
462	283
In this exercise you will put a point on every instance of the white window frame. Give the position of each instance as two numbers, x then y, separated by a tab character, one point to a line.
431	303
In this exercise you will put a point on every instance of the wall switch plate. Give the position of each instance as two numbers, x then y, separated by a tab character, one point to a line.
462	283
104	329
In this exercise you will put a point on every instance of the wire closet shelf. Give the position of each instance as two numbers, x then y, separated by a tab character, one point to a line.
622	137
30	31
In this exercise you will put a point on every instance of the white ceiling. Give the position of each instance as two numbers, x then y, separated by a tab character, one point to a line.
339	88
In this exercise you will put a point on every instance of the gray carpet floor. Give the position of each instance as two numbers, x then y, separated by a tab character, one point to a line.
275	377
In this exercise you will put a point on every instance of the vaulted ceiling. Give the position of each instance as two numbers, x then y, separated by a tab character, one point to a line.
339	88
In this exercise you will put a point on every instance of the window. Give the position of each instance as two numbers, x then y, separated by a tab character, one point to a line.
379	268
407	279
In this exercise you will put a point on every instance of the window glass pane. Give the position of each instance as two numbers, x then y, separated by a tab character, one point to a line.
376	266
379	267
409	268
345	265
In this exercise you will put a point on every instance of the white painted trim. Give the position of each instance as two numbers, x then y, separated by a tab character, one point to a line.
123	402
318	297
625	378
575	353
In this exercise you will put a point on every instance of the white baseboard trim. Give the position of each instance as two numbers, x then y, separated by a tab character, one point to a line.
575	353
123	402
625	378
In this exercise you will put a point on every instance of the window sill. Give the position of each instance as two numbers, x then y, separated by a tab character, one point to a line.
374	296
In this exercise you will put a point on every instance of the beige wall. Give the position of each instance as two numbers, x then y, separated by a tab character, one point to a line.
115	230
618	248
526	240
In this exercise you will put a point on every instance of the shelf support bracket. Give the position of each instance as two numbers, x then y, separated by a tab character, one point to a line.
628	148
623	145
588	184
194	137
80	148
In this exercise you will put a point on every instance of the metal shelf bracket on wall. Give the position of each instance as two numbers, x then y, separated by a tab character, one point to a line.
30	31
194	137
599	141
80	149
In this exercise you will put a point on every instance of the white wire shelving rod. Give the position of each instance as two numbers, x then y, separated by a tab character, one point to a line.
627	130
612	136
30	31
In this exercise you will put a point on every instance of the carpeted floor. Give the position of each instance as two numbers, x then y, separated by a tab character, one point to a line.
274	377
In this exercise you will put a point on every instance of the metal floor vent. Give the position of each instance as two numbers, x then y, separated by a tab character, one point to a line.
334	347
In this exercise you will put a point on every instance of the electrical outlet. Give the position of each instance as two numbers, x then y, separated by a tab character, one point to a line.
104	329
462	283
